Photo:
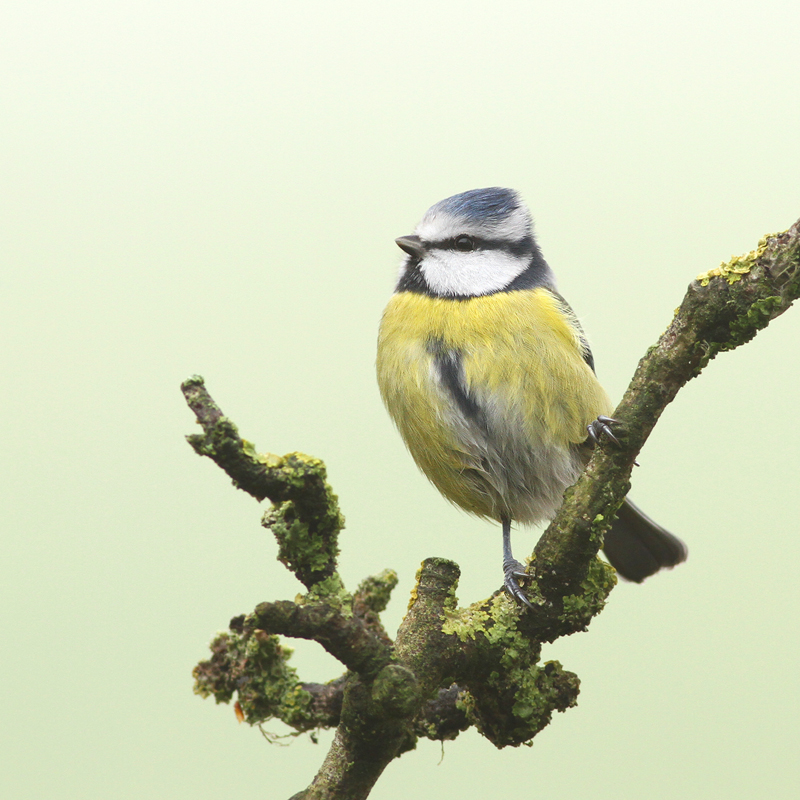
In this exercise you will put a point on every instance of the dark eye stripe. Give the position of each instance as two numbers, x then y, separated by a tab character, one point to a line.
517	248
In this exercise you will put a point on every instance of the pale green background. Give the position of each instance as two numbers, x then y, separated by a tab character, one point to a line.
215	188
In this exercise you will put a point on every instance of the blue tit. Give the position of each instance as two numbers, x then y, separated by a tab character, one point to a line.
488	376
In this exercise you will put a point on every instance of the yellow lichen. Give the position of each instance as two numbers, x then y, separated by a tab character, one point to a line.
733	270
413	598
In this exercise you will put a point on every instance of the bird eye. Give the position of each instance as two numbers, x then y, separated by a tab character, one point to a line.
464	243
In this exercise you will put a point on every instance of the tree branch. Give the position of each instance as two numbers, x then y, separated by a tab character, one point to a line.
344	636
722	309
305	516
452	667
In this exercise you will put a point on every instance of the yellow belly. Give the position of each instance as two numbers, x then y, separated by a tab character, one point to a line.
522	361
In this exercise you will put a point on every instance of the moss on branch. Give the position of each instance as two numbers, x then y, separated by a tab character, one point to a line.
720	311
254	666
305	516
451	667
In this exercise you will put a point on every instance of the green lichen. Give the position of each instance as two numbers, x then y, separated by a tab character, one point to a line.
517	683
745	327
254	666
451	600
305	516
540	691
395	692
580	608
466	702
376	590
298	471
430	731
548	688
332	593
742	328
599	527
495	623
465	623
732	271
503	631
268	459
303	547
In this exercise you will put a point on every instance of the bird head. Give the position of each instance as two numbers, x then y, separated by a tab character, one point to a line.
474	243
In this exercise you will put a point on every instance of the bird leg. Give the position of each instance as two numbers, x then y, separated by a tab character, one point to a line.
512	569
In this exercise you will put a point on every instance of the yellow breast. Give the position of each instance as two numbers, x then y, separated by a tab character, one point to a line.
522	361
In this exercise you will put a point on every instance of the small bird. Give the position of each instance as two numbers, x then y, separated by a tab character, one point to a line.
487	374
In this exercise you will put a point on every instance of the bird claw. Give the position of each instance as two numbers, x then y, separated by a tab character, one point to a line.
512	569
602	426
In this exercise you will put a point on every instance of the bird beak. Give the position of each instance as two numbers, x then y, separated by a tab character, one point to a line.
411	245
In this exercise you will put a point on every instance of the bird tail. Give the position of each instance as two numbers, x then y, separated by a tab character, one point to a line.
638	547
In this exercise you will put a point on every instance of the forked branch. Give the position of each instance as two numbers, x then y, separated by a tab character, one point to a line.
452	667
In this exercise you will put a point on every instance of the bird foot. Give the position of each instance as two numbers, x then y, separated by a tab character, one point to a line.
512	570
602	427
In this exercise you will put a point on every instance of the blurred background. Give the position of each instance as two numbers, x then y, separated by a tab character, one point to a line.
214	188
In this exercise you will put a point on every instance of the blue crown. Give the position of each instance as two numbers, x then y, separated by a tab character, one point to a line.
481	204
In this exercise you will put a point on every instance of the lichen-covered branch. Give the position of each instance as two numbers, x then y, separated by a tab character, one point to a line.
452	667
722	309
371	598
341	633
255	667
305	516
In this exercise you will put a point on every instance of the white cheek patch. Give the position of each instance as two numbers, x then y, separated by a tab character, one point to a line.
449	272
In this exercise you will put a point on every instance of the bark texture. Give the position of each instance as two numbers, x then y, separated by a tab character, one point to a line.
451	667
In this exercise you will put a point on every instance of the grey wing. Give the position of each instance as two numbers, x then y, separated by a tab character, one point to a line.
587	351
